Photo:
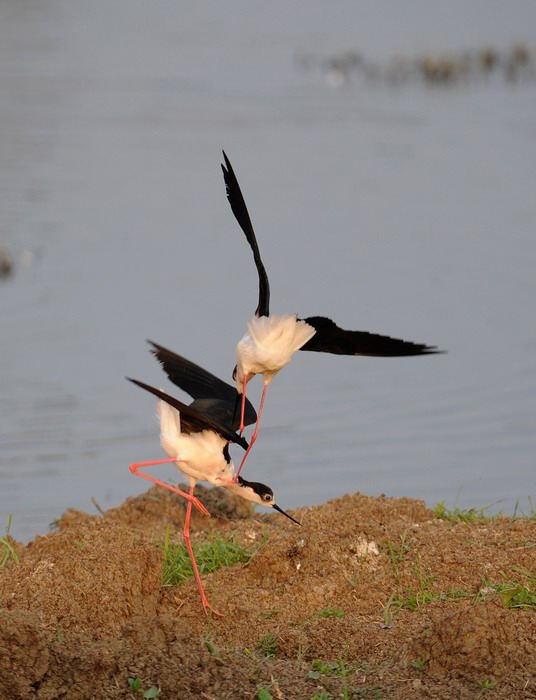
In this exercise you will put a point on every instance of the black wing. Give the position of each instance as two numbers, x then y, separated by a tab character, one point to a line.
213	397
193	421
238	205
330	338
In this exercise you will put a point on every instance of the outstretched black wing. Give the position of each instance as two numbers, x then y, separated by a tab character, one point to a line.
213	397
193	421
330	338
238	205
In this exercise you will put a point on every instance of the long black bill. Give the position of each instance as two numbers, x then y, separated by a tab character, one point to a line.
280	510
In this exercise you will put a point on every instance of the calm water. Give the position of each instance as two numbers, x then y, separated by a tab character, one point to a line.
404	210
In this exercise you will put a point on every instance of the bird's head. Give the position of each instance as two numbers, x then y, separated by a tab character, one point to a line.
257	493
238	377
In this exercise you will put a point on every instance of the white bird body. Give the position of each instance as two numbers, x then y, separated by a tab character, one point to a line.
201	455
269	346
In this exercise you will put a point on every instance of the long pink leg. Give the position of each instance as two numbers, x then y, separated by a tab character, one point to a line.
254	436
192	500
186	534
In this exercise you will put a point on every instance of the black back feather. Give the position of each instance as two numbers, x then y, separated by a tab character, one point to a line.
212	396
193	421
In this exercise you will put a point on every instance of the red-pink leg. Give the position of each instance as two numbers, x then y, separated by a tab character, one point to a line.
192	500
186	534
254	436
243	409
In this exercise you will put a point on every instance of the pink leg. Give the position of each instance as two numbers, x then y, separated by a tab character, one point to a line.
192	500
186	533
254	436
243	409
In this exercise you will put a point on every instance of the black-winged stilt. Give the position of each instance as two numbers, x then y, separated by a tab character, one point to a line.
199	447
271	341
216	399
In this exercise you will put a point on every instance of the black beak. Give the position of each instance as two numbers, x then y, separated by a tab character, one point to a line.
280	510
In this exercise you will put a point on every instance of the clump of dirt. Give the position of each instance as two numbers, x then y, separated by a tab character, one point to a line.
370	598
474	642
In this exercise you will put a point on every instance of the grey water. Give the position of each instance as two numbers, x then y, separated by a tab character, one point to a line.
402	209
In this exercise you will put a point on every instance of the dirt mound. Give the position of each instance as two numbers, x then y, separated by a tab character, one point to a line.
370	598
87	577
480	642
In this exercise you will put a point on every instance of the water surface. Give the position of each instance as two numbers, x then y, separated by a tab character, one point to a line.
403	210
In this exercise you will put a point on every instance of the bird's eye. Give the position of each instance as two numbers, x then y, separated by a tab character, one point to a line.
266	497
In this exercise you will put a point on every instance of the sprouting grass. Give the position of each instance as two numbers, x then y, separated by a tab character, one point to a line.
397	553
331	612
326	672
464	515
7	550
407	597
411	600
211	647
520	513
339	679
454	594
420	664
137	690
319	668
268	645
264	694
518	593
210	556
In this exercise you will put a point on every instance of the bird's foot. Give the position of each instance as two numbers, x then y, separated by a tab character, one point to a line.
200	507
207	607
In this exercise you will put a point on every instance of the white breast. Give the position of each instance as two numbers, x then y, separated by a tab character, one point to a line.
199	455
270	344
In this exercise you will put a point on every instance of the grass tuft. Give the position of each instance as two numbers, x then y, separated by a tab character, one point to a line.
331	612
517	594
137	690
464	516
7	550
268	645
420	664
210	556
264	694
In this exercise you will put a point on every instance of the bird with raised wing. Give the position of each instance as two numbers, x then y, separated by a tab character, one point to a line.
271	341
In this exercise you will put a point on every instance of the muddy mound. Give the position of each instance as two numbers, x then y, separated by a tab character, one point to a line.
369	598
480	642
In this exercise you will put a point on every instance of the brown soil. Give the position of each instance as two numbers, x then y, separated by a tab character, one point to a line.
85	608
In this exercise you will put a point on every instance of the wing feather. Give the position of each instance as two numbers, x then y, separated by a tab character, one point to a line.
193	421
238	206
330	338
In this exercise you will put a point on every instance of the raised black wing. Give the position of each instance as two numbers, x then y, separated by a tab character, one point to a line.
238	205
330	338
213	397
193	421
